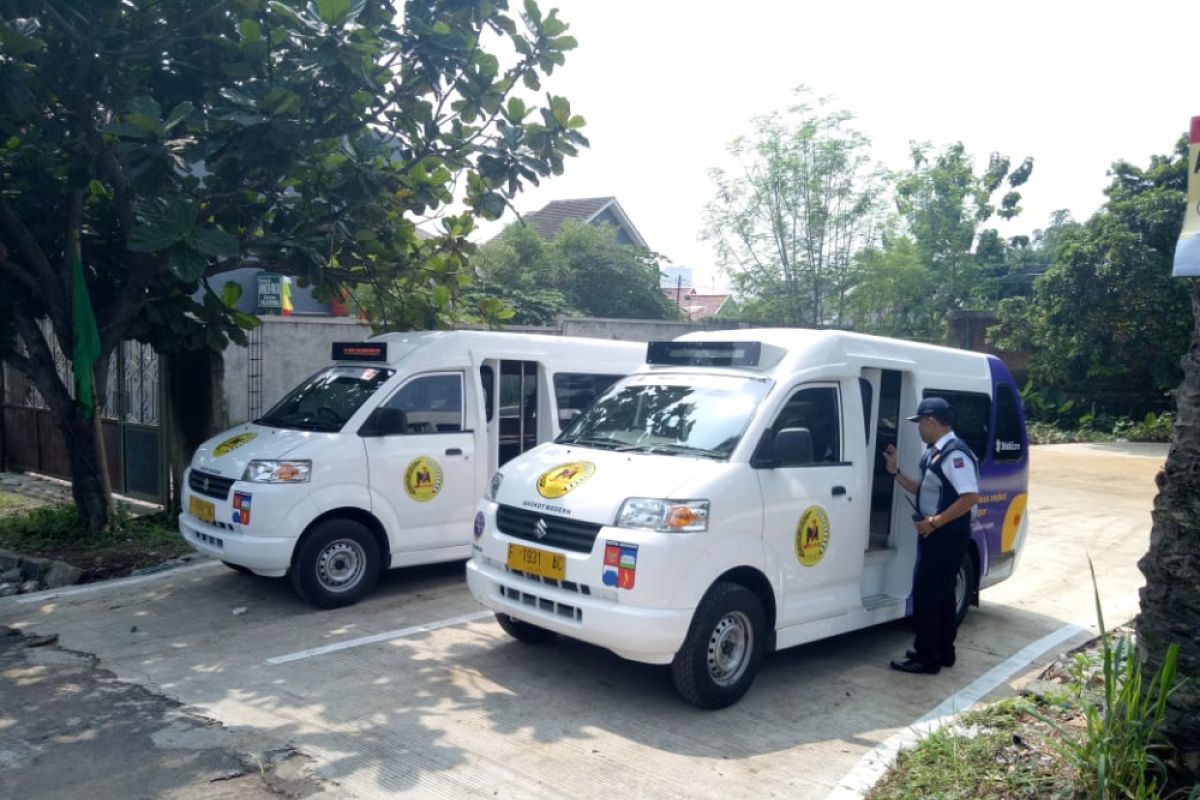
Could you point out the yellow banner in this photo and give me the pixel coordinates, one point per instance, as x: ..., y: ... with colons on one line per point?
x: 1187, y: 252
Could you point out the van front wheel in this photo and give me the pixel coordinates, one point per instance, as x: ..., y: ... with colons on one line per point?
x: 724, y: 645
x: 337, y: 564
x: 523, y: 631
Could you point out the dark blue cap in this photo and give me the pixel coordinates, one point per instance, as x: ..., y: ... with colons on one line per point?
x: 936, y: 407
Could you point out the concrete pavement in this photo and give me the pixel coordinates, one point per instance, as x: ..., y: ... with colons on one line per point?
x: 461, y: 710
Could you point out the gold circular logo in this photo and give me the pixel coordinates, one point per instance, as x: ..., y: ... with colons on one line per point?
x: 1012, y: 522
x: 233, y: 443
x: 812, y: 535
x: 557, y: 481
x: 423, y: 479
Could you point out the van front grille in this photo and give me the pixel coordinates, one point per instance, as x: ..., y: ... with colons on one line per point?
x: 209, y: 485
x: 548, y: 530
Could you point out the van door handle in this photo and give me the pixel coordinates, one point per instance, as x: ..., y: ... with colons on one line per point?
x: 839, y: 490
x: 454, y: 451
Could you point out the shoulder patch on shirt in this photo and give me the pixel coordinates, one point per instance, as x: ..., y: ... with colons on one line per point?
x: 958, y: 462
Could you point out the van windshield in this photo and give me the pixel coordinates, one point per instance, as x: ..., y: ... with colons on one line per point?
x: 691, y: 415
x: 327, y: 400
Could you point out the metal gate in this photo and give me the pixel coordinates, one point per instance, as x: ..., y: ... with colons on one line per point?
x: 130, y: 423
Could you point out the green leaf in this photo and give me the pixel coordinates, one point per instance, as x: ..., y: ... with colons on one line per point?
x: 250, y: 29
x: 187, y: 263
x: 230, y: 293
x: 144, y: 112
x: 151, y: 238
x: 333, y: 12
x: 441, y: 28
x: 516, y: 109
x: 215, y: 242
x: 178, y: 114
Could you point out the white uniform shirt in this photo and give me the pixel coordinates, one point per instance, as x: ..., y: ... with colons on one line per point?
x: 958, y: 469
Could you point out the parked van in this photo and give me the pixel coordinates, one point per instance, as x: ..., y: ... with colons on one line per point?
x: 731, y: 498
x: 379, y: 459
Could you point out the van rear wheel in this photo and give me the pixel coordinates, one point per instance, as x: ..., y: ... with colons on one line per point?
x: 337, y: 564
x: 524, y: 631
x: 724, y: 645
x: 966, y: 584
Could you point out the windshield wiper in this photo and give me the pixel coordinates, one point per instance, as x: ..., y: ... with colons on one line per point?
x: 672, y: 447
x: 603, y: 442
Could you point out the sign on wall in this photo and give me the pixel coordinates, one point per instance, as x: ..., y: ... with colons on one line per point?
x: 1187, y: 251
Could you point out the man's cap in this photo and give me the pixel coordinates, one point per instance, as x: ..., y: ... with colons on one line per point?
x: 937, y: 407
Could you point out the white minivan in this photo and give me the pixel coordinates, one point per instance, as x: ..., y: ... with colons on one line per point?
x: 731, y: 498
x: 379, y: 459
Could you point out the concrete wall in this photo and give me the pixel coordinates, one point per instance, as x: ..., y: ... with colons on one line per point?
x: 292, y: 349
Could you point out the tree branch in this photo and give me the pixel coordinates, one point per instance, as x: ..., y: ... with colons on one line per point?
x: 51, y: 289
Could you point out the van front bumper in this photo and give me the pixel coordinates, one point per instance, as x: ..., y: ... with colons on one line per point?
x: 649, y: 635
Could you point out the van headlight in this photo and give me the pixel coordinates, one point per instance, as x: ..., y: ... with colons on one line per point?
x: 494, y: 486
x: 667, y: 516
x: 278, y: 471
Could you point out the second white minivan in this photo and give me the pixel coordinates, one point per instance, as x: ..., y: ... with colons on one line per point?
x: 379, y: 459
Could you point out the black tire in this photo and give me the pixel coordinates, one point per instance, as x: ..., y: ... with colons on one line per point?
x: 524, y: 631
x: 239, y: 568
x: 336, y: 565
x: 966, y: 585
x: 724, y: 646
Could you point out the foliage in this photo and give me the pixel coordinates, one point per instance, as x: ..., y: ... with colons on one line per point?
x: 1107, y: 322
x: 1117, y: 752
x: 786, y: 225
x: 582, y: 271
x: 891, y: 292
x: 174, y: 140
x: 57, y: 531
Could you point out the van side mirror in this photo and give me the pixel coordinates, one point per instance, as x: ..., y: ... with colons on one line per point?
x: 789, y: 447
x: 385, y: 421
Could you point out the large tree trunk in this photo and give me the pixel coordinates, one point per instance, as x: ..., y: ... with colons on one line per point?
x: 1171, y: 600
x: 88, y: 484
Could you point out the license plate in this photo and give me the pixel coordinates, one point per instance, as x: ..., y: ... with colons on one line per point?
x: 537, y: 562
x: 202, y: 509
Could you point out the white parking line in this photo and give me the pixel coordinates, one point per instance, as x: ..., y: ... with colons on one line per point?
x: 875, y: 763
x: 400, y: 633
x: 100, y: 586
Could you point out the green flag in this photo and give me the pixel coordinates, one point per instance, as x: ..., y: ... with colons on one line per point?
x: 85, y: 334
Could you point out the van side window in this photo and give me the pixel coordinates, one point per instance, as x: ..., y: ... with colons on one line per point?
x: 575, y: 391
x: 972, y: 417
x: 1009, y: 444
x: 864, y: 386
x: 431, y: 403
x: 815, y: 408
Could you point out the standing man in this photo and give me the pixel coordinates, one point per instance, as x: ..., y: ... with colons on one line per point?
x: 947, y: 492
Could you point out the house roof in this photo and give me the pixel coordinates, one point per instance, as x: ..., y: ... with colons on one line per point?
x: 549, y: 219
x: 695, y: 305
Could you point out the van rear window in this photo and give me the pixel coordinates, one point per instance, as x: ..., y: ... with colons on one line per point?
x: 972, y: 417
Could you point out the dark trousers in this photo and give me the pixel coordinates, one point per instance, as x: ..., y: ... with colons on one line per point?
x: 934, y: 613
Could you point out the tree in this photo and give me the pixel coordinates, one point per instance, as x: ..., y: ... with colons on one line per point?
x: 890, y: 295
x: 788, y: 224
x: 943, y: 203
x: 582, y: 271
x: 167, y: 141
x: 1107, y: 323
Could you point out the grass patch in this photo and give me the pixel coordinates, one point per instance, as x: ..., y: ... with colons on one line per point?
x: 55, y: 532
x: 997, y: 753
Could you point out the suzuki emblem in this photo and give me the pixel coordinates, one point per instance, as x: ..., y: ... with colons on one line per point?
x: 540, y: 530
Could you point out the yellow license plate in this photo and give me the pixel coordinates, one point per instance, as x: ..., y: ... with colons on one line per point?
x: 537, y: 562
x: 202, y: 509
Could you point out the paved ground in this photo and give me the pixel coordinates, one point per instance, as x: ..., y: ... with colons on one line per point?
x: 441, y: 703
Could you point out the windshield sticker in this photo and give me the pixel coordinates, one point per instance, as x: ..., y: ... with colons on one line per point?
x: 423, y: 479
x: 620, y: 564
x: 812, y: 536
x: 1012, y: 522
x: 368, y: 374
x: 557, y: 481
x: 241, y: 508
x: 232, y: 444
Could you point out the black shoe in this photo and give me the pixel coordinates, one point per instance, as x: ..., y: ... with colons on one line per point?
x: 944, y: 660
x: 916, y: 667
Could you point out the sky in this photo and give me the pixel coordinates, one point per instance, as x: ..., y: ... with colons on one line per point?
x: 665, y: 85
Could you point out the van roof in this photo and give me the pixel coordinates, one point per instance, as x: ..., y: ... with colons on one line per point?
x: 430, y: 349
x: 805, y: 347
